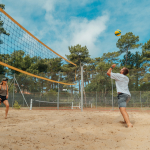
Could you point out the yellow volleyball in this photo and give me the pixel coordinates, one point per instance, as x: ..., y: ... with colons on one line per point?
x: 118, y: 32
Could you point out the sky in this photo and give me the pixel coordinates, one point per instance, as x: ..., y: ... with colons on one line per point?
x: 91, y: 23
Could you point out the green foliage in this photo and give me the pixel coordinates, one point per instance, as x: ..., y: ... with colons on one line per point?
x: 78, y: 55
x: 2, y: 6
x: 111, y: 57
x: 98, y: 78
x: 16, y: 105
x: 135, y: 61
x: 145, y: 86
x: 146, y: 52
x: 127, y: 42
x: 51, y: 93
x: 3, y: 31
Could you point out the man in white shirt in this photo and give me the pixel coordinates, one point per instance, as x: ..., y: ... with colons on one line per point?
x: 124, y: 95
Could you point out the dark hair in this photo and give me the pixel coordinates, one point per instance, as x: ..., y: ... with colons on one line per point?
x: 125, y: 71
x: 4, y: 79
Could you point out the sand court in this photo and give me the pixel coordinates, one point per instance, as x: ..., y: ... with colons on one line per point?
x: 73, y: 130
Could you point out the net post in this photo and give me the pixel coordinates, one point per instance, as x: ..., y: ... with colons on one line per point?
x: 72, y: 106
x: 140, y: 99
x: 31, y: 104
x: 81, y: 88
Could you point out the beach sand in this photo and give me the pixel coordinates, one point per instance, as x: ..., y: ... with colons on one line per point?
x: 73, y: 130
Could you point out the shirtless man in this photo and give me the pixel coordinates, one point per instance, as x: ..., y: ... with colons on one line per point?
x: 124, y: 95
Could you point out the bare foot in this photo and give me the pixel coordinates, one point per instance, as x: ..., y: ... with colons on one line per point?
x: 130, y: 125
x: 5, y: 117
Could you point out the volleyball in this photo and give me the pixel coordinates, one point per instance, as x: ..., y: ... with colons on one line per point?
x: 118, y: 32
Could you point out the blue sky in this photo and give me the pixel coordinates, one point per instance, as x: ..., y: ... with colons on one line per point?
x: 63, y: 23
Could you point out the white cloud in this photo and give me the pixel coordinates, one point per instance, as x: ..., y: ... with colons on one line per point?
x: 49, y: 5
x: 75, y: 30
x: 79, y: 31
x: 87, y: 32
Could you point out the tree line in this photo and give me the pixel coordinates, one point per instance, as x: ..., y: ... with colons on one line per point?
x: 95, y: 78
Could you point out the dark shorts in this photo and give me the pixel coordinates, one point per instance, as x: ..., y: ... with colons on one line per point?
x: 122, y: 99
x: 3, y: 98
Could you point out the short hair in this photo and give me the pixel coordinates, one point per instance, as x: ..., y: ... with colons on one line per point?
x: 125, y: 71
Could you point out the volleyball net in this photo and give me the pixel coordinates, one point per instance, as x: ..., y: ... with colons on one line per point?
x: 22, y: 52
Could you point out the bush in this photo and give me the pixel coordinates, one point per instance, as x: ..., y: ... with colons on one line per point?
x: 16, y: 105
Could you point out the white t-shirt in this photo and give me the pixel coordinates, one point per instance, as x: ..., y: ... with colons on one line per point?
x: 121, y: 82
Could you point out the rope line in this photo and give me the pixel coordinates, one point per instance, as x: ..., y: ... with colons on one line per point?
x: 33, y: 75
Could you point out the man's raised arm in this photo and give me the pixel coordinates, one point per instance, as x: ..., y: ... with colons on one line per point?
x: 110, y: 69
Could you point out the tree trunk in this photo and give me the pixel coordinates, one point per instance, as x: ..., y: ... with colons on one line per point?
x: 42, y: 87
x: 79, y: 86
x: 136, y: 84
x: 71, y: 91
x: 126, y: 56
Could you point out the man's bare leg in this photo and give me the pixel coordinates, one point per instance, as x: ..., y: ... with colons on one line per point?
x: 124, y: 120
x: 7, y: 108
x: 125, y: 116
x: 127, y: 113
